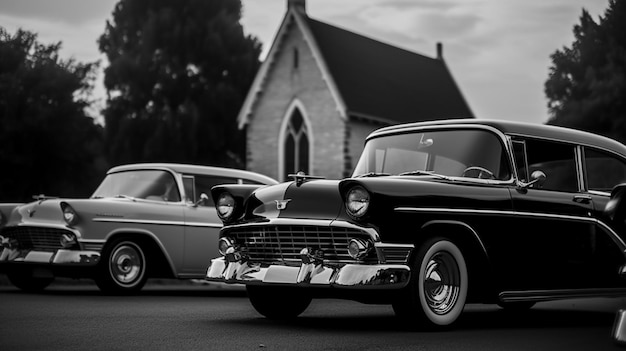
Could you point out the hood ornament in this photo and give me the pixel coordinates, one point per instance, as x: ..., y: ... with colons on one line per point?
x: 281, y: 204
x: 300, y: 177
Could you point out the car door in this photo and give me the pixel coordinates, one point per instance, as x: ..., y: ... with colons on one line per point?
x: 202, y: 225
x: 602, y: 172
x: 553, y: 227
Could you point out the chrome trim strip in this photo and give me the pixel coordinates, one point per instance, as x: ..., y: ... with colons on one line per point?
x: 92, y: 241
x: 157, y: 222
x: 599, y: 193
x: 205, y: 225
x: 387, y: 245
x: 547, y: 295
x: 616, y: 238
x: 490, y: 212
x: 580, y: 170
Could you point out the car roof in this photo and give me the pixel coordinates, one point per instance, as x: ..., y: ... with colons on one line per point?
x: 511, y: 128
x: 196, y: 169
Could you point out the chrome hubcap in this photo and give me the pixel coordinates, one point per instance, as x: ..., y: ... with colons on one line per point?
x: 442, y: 281
x: 126, y: 264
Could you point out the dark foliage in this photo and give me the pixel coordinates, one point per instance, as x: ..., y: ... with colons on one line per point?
x: 587, y: 83
x: 179, y: 71
x: 49, y: 144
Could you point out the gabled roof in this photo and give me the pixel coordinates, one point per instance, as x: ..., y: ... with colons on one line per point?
x: 368, y: 79
x: 383, y: 81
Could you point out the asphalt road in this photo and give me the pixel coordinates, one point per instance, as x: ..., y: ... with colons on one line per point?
x: 211, y: 317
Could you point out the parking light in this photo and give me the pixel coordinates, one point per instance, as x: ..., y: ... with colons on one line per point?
x: 224, y: 244
x: 358, y: 248
x: 67, y: 240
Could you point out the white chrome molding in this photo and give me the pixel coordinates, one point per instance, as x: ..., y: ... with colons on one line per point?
x: 156, y: 222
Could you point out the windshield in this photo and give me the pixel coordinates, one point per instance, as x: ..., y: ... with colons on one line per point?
x: 151, y: 185
x: 453, y: 153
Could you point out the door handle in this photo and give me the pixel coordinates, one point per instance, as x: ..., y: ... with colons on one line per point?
x: 582, y: 199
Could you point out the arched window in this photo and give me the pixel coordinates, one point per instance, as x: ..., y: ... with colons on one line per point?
x: 296, y: 58
x: 295, y: 145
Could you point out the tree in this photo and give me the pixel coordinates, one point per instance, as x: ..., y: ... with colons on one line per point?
x: 179, y: 71
x: 586, y: 87
x: 49, y: 144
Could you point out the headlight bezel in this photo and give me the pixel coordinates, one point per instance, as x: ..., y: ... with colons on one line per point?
x: 225, y: 205
x: 70, y: 216
x: 357, y: 202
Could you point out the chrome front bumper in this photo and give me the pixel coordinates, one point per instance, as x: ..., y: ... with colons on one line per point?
x: 380, y: 276
x: 58, y: 257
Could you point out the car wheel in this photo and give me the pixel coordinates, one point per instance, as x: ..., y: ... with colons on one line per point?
x: 517, y: 305
x: 278, y: 302
x: 28, y: 283
x: 122, y: 268
x: 437, y: 288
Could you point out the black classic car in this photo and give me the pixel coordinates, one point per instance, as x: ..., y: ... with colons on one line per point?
x: 436, y: 215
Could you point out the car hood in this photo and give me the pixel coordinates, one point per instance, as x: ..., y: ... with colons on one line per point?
x: 37, y: 213
x: 318, y: 199
x: 49, y: 212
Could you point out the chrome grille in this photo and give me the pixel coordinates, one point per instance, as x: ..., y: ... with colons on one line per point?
x: 36, y: 238
x: 283, y: 243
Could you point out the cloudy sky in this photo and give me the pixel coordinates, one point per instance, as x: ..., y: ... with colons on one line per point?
x: 498, y: 50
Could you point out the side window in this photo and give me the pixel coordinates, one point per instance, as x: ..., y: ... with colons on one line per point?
x: 205, y: 183
x: 556, y: 160
x: 603, y: 170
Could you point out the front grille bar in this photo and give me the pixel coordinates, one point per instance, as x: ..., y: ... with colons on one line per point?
x: 36, y: 238
x: 283, y: 243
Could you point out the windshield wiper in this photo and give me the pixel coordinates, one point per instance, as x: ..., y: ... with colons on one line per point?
x: 372, y: 174
x: 120, y: 196
x: 422, y: 172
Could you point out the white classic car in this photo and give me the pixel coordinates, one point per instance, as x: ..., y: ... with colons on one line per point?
x: 144, y: 220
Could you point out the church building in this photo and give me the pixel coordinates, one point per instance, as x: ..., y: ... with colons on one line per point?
x: 322, y: 89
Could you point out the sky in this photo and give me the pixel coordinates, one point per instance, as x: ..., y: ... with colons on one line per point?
x: 497, y: 50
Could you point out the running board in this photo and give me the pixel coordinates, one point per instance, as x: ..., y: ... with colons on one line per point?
x: 548, y: 295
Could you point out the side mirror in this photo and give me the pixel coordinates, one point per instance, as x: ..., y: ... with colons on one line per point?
x: 537, y: 177
x: 203, y: 199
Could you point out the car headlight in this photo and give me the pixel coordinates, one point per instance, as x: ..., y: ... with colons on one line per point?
x: 225, y: 206
x: 357, y: 202
x: 69, y: 215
